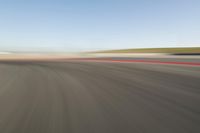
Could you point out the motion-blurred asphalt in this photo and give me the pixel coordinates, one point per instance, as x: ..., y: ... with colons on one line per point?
x: 91, y: 97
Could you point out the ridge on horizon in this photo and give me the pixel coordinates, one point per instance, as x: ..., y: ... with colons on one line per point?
x: 153, y: 50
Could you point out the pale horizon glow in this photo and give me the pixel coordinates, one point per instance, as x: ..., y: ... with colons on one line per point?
x: 86, y: 25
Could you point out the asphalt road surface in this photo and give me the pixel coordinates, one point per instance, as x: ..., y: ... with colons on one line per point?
x: 91, y: 97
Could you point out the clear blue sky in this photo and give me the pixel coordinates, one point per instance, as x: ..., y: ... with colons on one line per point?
x: 73, y: 25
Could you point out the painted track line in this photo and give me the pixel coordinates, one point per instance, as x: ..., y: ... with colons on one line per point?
x: 144, y: 61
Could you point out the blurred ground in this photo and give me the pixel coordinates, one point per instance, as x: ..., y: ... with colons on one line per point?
x: 37, y: 56
x: 91, y: 97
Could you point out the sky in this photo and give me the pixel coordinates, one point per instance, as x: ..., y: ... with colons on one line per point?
x: 86, y: 25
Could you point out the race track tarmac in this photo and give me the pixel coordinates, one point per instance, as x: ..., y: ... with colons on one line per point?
x: 97, y: 97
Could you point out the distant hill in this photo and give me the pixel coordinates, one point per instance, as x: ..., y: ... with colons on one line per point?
x: 191, y: 50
